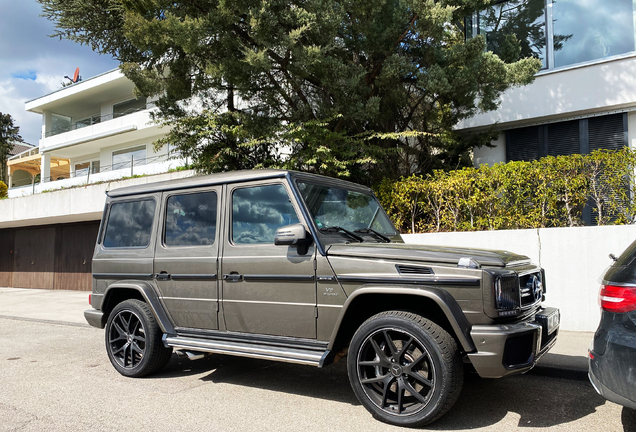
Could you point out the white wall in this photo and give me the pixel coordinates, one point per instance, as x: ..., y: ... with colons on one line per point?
x: 574, y: 260
x: 580, y: 90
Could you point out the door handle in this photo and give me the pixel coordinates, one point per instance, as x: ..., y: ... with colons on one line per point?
x: 162, y: 276
x: 233, y: 277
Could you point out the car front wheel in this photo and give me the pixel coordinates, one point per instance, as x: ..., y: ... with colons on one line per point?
x: 405, y: 369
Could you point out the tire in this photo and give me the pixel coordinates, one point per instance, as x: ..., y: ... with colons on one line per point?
x: 133, y: 340
x: 404, y: 369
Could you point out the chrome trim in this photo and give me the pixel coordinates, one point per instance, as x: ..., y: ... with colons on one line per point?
x: 290, y: 355
x: 193, y: 276
x: 276, y: 277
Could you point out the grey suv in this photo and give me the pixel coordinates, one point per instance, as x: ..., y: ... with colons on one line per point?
x: 301, y: 268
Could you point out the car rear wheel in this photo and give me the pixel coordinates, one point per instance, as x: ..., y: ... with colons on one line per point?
x: 405, y: 369
x: 133, y: 340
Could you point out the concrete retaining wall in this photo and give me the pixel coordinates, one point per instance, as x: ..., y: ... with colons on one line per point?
x: 574, y: 260
x: 68, y: 205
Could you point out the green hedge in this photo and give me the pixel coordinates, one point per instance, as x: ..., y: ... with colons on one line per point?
x: 3, y: 190
x: 550, y: 192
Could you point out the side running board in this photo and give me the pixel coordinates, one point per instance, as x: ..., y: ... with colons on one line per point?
x: 302, y: 355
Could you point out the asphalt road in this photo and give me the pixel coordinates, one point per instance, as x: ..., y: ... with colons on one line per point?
x: 58, y: 378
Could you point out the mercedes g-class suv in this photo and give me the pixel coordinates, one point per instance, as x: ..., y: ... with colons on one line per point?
x: 301, y: 268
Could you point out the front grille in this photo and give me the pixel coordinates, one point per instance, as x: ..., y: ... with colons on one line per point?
x: 408, y: 270
x: 507, y: 292
x: 518, y: 350
x: 531, y: 288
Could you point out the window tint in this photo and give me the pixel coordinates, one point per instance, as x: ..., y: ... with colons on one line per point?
x: 258, y: 211
x: 129, y: 224
x: 191, y: 219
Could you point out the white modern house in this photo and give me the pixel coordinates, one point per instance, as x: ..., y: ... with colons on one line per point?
x: 583, y: 99
x: 92, y: 130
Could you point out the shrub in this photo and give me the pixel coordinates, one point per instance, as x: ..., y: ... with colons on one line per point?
x: 3, y: 190
x: 550, y: 192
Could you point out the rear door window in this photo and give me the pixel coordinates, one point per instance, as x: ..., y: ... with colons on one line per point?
x: 130, y: 224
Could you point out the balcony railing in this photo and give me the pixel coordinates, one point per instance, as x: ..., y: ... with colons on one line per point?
x: 129, y: 166
x: 95, y: 119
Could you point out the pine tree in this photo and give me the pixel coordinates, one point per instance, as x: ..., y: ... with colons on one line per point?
x: 9, y: 134
x: 363, y: 89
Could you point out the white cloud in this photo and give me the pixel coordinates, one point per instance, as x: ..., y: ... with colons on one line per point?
x: 25, y: 46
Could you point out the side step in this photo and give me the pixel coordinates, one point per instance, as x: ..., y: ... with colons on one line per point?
x: 255, y: 350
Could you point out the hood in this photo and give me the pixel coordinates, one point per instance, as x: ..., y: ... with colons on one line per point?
x: 430, y: 254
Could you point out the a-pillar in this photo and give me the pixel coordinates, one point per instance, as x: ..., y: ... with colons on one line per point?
x: 45, y: 168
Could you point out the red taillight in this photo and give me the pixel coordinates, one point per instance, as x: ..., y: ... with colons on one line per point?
x: 617, y: 299
x: 89, y: 299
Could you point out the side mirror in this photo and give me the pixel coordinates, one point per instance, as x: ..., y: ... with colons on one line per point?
x: 293, y: 235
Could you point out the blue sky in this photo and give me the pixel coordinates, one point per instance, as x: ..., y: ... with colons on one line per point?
x: 33, y: 64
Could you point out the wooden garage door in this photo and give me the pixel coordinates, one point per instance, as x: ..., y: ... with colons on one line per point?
x: 73, y: 255
x: 34, y: 258
x: 7, y: 242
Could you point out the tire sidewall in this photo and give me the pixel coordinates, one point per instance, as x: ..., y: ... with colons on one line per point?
x: 441, y: 368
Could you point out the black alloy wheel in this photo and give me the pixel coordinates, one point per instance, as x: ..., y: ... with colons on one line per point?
x: 133, y: 340
x: 127, y: 339
x: 396, y: 371
x: 405, y: 369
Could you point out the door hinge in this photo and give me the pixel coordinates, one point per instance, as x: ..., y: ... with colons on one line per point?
x: 315, y: 264
x: 316, y: 312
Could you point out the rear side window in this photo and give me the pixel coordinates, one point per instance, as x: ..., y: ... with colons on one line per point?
x: 130, y: 224
x: 191, y: 219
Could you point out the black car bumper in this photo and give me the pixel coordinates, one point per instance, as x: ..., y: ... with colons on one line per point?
x: 612, y: 364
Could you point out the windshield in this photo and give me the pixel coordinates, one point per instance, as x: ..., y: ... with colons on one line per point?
x: 342, y: 208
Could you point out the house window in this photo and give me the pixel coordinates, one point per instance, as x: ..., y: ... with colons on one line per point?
x: 81, y: 169
x: 523, y: 18
x: 59, y: 124
x: 560, y: 33
x: 126, y: 158
x: 591, y: 29
x: 570, y: 137
x: 129, y: 107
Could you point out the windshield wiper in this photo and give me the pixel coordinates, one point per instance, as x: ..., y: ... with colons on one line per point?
x: 337, y: 229
x: 382, y: 237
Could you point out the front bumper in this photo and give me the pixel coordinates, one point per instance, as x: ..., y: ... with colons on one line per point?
x: 513, y: 348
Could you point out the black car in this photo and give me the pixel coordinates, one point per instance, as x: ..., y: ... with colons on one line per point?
x: 613, y: 351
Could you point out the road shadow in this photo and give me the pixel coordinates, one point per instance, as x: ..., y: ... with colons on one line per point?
x: 539, y: 401
x: 331, y: 383
x: 628, y: 418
